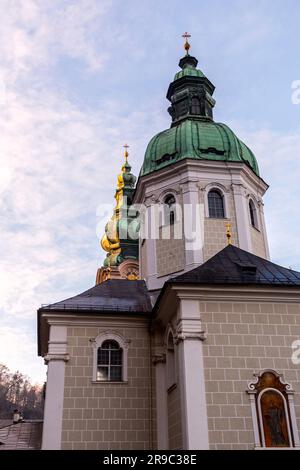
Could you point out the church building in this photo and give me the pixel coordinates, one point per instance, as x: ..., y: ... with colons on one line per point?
x: 189, y: 337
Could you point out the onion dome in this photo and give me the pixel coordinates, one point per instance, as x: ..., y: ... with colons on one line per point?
x: 118, y: 241
x: 193, y: 133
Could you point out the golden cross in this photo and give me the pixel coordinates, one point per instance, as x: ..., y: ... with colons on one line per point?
x: 228, y: 233
x: 126, y: 146
x: 186, y: 44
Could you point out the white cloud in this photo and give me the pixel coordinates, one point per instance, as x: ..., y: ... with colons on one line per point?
x: 39, y: 32
x: 16, y: 350
x: 59, y: 160
x: 277, y: 155
x: 57, y: 163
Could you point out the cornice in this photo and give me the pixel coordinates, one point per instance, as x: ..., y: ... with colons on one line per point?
x: 235, y: 293
x: 65, y: 319
x: 238, y: 169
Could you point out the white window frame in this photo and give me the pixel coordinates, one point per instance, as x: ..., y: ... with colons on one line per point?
x: 256, y: 214
x: 97, y: 343
x: 174, y: 206
x: 222, y: 190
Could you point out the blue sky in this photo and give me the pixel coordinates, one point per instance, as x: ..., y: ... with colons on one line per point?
x: 80, y: 78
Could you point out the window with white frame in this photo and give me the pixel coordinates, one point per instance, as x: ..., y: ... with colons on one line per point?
x: 215, y: 204
x: 273, y: 412
x: 253, y: 214
x: 169, y: 209
x: 110, y: 362
x: 110, y: 358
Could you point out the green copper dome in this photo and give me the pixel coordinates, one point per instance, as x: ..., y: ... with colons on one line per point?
x: 189, y: 72
x: 198, y: 140
x: 193, y: 133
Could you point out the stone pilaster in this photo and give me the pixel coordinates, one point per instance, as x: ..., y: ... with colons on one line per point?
x: 159, y: 360
x: 56, y: 359
x: 242, y: 216
x: 189, y: 339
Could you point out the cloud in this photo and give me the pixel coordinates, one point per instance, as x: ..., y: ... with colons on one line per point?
x: 59, y: 163
x: 16, y: 349
x: 60, y: 158
x: 276, y: 153
x: 54, y: 167
x: 38, y: 33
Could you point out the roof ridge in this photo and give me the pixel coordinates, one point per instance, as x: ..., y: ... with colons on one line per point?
x: 225, y: 266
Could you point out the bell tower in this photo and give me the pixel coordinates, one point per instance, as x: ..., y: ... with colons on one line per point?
x: 197, y: 177
x: 120, y: 242
x: 191, y: 92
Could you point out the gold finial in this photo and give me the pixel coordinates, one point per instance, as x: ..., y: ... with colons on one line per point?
x: 228, y: 233
x: 186, y: 44
x: 126, y: 154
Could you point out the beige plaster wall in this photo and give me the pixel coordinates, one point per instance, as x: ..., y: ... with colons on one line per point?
x: 257, y: 242
x: 108, y: 415
x: 243, y: 338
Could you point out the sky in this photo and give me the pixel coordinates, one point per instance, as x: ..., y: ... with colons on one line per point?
x: 78, y: 79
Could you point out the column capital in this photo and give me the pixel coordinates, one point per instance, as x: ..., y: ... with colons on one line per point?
x: 150, y: 199
x: 188, y: 335
x: 238, y: 189
x: 189, y: 186
x: 189, y: 329
x: 158, y: 359
x: 56, y: 357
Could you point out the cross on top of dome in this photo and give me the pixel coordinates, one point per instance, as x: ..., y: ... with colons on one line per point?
x: 186, y: 44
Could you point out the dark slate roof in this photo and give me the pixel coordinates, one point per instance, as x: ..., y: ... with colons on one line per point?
x: 235, y: 266
x: 22, y: 436
x: 5, y: 422
x: 114, y: 295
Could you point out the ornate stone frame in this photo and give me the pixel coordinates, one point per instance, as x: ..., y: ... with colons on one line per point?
x: 97, y: 343
x: 289, y: 406
x: 162, y: 197
x: 224, y: 191
x: 251, y: 198
x: 171, y: 369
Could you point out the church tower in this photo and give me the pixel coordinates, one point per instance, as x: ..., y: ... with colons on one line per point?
x: 120, y: 240
x: 197, y: 177
x: 190, y: 334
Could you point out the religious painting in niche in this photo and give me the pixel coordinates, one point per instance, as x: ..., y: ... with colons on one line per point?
x: 273, y: 411
x: 274, y: 419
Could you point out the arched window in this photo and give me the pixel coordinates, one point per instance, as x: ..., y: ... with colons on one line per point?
x: 169, y: 204
x: 109, y: 362
x: 171, y: 367
x: 196, y: 108
x: 273, y: 412
x: 253, y: 214
x: 215, y: 204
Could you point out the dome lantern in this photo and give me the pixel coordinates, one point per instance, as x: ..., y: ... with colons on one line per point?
x: 193, y: 133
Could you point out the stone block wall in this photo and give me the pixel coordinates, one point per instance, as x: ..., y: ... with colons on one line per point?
x: 243, y: 339
x: 109, y: 415
x: 215, y: 231
x: 170, y: 254
x: 257, y: 242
